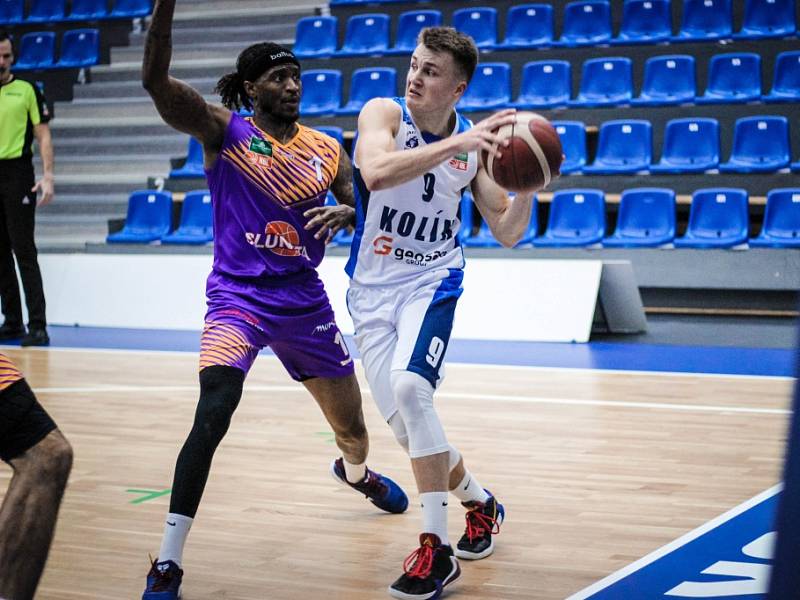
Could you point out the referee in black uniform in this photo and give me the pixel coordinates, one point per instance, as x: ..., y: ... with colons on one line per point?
x: 23, y: 116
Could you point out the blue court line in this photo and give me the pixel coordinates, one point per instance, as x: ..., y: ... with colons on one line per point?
x: 728, y: 558
x: 773, y: 362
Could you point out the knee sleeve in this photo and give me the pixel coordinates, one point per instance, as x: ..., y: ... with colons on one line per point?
x: 399, y: 430
x: 455, y: 457
x: 414, y: 397
x: 220, y: 391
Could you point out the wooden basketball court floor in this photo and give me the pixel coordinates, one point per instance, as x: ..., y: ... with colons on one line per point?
x: 596, y: 469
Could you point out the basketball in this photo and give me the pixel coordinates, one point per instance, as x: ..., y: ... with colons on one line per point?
x: 532, y: 159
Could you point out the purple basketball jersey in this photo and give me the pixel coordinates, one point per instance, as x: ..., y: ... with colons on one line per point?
x: 259, y: 191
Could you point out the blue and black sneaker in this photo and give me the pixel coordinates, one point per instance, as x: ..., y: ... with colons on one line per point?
x: 426, y: 571
x: 381, y: 491
x: 483, y: 521
x: 163, y: 581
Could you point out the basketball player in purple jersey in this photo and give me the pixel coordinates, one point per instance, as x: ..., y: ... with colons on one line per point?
x: 269, y: 177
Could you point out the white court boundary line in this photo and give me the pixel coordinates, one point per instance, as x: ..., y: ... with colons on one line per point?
x: 449, y: 364
x: 601, y: 585
x: 107, y: 389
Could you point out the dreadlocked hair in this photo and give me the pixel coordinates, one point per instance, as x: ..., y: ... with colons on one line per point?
x: 231, y: 86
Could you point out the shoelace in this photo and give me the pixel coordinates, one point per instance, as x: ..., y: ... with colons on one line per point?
x: 478, y: 524
x: 163, y: 579
x: 372, y: 486
x: 420, y: 562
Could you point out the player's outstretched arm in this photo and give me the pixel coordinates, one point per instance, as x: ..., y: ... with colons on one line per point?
x: 180, y: 105
x: 382, y: 166
x: 507, y: 219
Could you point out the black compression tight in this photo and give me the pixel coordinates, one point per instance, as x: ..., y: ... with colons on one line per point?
x: 220, y: 391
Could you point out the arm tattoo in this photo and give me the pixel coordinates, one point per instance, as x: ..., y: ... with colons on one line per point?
x: 342, y: 186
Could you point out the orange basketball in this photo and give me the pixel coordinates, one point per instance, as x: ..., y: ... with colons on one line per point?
x: 532, y: 159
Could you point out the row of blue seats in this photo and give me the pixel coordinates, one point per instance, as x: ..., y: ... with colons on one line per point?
x: 605, y: 81
x: 586, y: 22
x: 54, y: 11
x: 149, y: 219
x: 79, y: 48
x: 760, y: 145
x: 718, y: 218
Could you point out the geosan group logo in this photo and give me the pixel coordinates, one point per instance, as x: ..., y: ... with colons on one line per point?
x: 279, y: 237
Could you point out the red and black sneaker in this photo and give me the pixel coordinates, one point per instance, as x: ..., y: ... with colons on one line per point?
x: 483, y: 521
x: 427, y: 570
x: 163, y: 581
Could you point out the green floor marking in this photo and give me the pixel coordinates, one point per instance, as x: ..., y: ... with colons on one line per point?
x: 326, y: 435
x: 148, y: 495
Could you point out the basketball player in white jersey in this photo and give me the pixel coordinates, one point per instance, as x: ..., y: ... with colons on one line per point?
x: 414, y: 157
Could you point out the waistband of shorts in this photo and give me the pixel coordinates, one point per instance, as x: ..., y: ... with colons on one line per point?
x: 270, y: 281
x: 23, y: 163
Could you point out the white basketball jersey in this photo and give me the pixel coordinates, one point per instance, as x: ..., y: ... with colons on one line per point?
x: 411, y: 229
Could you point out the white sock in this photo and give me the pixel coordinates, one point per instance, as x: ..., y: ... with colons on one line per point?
x: 354, y: 473
x: 469, y: 490
x: 434, y: 514
x: 176, y: 529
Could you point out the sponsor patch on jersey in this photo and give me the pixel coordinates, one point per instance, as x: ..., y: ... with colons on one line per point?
x: 280, y: 238
x: 259, y: 153
x: 460, y: 161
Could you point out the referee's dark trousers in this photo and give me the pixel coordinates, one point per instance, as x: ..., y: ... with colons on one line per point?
x: 17, y: 221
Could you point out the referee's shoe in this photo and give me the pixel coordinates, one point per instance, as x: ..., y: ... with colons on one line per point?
x: 36, y: 337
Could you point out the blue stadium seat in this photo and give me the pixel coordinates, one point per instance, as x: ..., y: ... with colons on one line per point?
x: 480, y: 23
x: 465, y: 216
x: 315, y: 37
x: 645, y: 22
x: 46, y: 11
x: 577, y: 218
x: 528, y: 26
x: 705, y: 19
x: 767, y: 18
x: 87, y: 10
x: 786, y: 78
x: 781, y: 227
x: 690, y: 146
x: 193, y: 167
x: 366, y: 34
x: 131, y: 9
x: 733, y: 78
x: 622, y: 147
x: 196, y: 220
x: 587, y: 22
x: 646, y: 219
x: 760, y: 145
x: 545, y: 84
x: 605, y: 82
x: 79, y: 48
x: 490, y: 88
x: 369, y: 83
x: 718, y: 218
x: 335, y: 132
x: 573, y: 144
x: 409, y: 24
x: 149, y: 217
x: 36, y: 50
x: 11, y: 12
x: 795, y: 167
x: 322, y: 92
x: 485, y: 239
x: 668, y: 79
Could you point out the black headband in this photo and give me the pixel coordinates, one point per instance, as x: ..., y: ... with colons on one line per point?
x: 266, y: 61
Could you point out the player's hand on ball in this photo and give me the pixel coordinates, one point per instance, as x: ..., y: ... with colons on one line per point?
x: 484, y: 136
